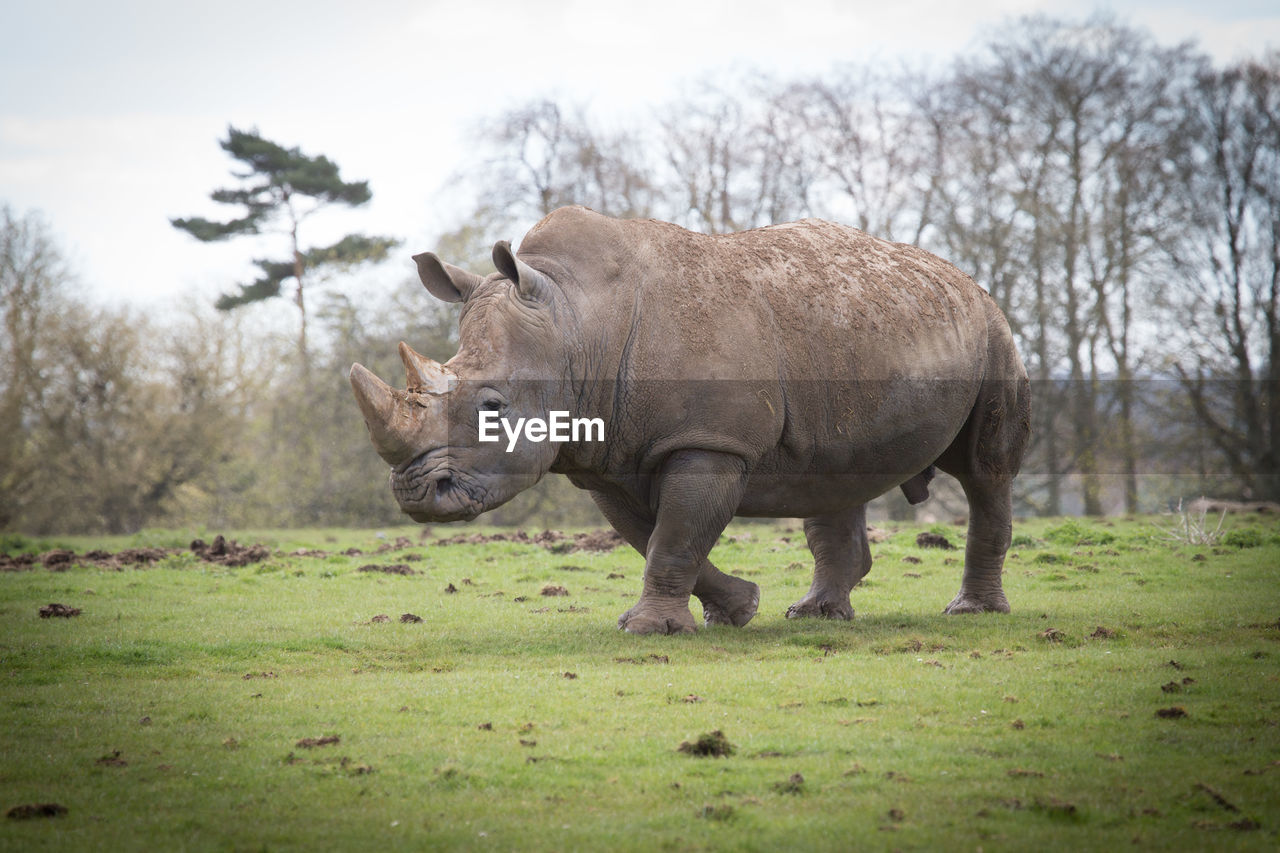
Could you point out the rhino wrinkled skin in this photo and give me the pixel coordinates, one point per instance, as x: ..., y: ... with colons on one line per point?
x: 798, y: 370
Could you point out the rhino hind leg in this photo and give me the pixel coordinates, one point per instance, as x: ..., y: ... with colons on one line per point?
x: 841, y: 558
x: 985, y: 457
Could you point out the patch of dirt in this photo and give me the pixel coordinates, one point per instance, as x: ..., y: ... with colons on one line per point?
x: 1020, y: 772
x: 793, y: 785
x: 875, y: 535
x: 410, y: 618
x: 711, y: 744
x: 1052, y: 635
x: 28, y: 811
x: 313, y: 742
x: 388, y: 569
x: 58, y: 610
x: 552, y: 589
x: 1101, y: 633
x: 1217, y: 797
x: 381, y: 617
x: 552, y: 540
x: 112, y: 760
x: 57, y: 560
x: 650, y: 658
x: 232, y: 553
x: 933, y: 540
x: 1173, y: 713
x: 220, y: 552
x: 910, y: 559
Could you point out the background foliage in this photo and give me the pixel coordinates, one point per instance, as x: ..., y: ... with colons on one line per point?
x: 1119, y: 198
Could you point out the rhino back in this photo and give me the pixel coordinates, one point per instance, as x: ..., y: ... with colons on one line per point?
x: 802, y: 346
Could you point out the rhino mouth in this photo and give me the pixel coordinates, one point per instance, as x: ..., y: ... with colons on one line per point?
x: 431, y: 488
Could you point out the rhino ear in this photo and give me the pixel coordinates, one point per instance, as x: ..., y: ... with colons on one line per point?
x: 530, y: 284
x: 445, y: 281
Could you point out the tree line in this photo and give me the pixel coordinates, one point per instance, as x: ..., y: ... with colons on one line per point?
x: 1119, y: 198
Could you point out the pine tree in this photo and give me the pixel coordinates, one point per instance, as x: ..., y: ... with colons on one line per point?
x: 280, y: 189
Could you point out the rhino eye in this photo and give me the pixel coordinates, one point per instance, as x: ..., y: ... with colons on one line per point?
x: 491, y: 401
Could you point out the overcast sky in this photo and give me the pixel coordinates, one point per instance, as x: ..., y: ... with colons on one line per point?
x: 110, y: 112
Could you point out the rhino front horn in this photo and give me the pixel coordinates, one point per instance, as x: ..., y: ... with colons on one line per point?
x: 391, y: 419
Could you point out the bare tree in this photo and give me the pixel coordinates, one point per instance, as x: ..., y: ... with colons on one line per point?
x: 1232, y: 297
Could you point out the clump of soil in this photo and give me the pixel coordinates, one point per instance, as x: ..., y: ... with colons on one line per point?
x: 1101, y: 633
x: 313, y: 742
x: 933, y: 540
x: 27, y: 811
x: 112, y: 760
x: 410, y: 618
x: 793, y: 785
x: 553, y: 589
x: 1052, y: 635
x: 57, y: 560
x: 552, y: 540
x: 389, y: 569
x: 231, y: 553
x: 61, y: 610
x: 711, y: 744
x: 1173, y: 713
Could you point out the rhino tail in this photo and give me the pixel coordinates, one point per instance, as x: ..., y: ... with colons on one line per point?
x: 917, y: 488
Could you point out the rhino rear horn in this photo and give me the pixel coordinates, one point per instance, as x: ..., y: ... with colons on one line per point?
x: 390, y: 418
x: 445, y: 281
x: 422, y: 374
x: 530, y: 283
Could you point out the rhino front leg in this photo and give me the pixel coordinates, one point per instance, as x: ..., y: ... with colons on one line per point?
x: 726, y: 600
x: 841, y: 557
x: 697, y: 494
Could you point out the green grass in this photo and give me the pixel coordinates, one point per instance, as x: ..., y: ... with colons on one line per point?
x: 535, y: 724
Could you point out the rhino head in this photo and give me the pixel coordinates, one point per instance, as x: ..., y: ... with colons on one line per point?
x: 511, y: 361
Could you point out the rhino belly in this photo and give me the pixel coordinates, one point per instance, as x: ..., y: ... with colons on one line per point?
x: 829, y: 458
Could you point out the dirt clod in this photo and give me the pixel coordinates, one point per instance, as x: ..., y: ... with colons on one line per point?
x: 1052, y: 635
x: 388, y: 569
x: 28, y: 811
x: 1176, y: 712
x: 933, y: 540
x: 793, y: 785
x: 553, y: 589
x: 1101, y: 633
x: 410, y: 618
x: 59, y: 610
x: 313, y: 742
x: 112, y: 760
x: 710, y: 744
x: 1171, y: 687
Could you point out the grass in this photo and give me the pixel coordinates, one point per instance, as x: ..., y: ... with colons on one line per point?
x: 168, y: 714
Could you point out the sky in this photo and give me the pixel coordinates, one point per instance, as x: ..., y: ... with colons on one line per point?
x: 111, y: 112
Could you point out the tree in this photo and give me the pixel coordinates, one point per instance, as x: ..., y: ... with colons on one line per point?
x: 1232, y: 307
x: 32, y: 277
x: 282, y: 188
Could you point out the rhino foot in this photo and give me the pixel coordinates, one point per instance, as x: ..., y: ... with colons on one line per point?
x: 734, y: 606
x: 814, y: 607
x: 968, y: 602
x: 648, y: 618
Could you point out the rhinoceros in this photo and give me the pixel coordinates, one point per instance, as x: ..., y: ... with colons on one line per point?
x: 796, y: 370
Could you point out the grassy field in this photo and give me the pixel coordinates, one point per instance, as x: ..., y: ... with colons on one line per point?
x: 1131, y: 698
